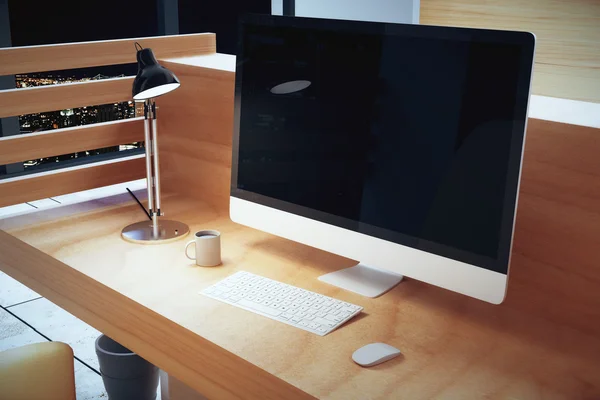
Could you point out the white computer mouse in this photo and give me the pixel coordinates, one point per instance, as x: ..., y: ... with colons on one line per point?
x: 374, y: 353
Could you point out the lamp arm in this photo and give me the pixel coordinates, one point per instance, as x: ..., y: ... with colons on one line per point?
x: 156, y: 160
x: 148, y: 148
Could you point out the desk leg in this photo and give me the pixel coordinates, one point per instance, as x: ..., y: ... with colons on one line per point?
x: 173, y: 389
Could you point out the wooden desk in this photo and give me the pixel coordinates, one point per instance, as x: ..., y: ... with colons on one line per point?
x: 147, y: 298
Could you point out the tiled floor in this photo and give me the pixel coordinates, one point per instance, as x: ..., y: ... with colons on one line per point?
x: 49, y: 322
x: 59, y: 325
x: 26, y: 317
x: 12, y: 292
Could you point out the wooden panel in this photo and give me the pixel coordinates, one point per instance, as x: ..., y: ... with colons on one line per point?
x: 568, y: 49
x: 70, y: 140
x: 59, y: 97
x: 20, y: 60
x: 68, y: 180
x: 197, y: 134
x: 556, y: 251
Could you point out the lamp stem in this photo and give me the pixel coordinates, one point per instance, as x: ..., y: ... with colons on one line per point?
x: 148, y: 147
x: 156, y: 160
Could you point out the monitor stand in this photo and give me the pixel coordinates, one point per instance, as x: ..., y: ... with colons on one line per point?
x: 362, y: 279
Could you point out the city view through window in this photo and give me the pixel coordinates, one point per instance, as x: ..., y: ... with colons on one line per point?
x: 86, y: 21
x: 71, y: 117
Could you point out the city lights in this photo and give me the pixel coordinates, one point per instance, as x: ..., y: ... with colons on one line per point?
x: 71, y: 117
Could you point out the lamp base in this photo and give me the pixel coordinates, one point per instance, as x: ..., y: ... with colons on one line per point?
x: 142, y: 232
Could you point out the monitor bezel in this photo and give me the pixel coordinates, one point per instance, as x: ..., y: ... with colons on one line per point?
x: 524, y: 39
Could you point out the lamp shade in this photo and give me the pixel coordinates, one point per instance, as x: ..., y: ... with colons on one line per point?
x: 152, y: 79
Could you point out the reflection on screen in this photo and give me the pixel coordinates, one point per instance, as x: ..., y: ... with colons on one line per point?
x: 406, y: 139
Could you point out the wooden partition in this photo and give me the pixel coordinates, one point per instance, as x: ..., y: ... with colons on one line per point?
x: 196, y: 127
x: 568, y: 37
x: 21, y: 101
x: 555, y: 270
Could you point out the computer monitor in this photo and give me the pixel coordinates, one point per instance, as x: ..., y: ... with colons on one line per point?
x: 398, y: 146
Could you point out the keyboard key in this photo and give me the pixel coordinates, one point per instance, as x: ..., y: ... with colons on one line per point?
x: 325, y: 322
x: 259, y: 307
x: 333, y: 318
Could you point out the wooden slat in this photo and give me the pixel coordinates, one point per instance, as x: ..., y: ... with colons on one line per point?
x: 20, y: 60
x: 68, y: 180
x: 70, y: 140
x: 59, y: 97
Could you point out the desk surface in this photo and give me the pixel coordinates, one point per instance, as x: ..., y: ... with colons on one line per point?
x: 453, y: 347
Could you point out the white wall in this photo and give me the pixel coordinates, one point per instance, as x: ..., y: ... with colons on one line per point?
x: 401, y: 11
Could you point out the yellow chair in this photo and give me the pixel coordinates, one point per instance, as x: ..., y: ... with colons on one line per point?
x: 41, y: 371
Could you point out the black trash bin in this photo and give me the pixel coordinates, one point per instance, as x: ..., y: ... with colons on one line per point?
x: 126, y: 375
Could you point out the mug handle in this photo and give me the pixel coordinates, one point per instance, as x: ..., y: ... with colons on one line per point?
x: 186, y: 250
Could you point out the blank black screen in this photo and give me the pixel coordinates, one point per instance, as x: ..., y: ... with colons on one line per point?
x: 401, y: 137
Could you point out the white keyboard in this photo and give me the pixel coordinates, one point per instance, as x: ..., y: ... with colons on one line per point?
x: 301, y: 308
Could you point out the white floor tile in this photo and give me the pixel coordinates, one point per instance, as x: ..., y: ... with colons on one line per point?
x: 59, y: 325
x: 88, y: 384
x: 13, y: 291
x: 14, y: 333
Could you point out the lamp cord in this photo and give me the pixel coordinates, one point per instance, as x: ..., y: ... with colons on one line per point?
x: 141, y: 205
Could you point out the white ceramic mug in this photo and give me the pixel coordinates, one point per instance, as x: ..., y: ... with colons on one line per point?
x: 208, y: 248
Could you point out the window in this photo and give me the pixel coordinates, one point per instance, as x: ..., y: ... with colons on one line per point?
x: 37, y: 23
x: 31, y: 22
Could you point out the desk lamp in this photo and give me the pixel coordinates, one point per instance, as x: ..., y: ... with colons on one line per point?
x: 152, y: 80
